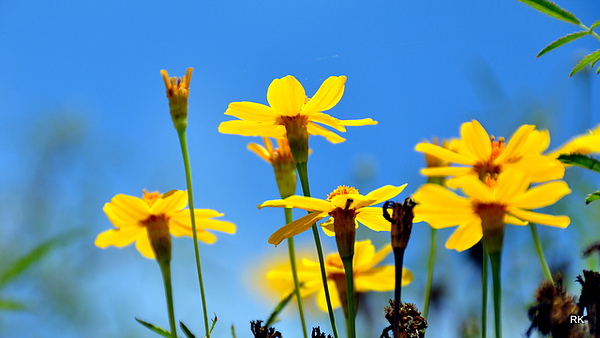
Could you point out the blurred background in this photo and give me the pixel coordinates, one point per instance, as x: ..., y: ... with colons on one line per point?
x: 84, y: 117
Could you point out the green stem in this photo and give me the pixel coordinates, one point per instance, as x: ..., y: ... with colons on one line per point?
x: 484, y: 290
x: 188, y: 178
x: 351, y: 319
x: 540, y: 252
x: 302, y: 169
x: 430, y: 265
x: 292, y: 254
x: 165, y: 269
x: 495, y: 260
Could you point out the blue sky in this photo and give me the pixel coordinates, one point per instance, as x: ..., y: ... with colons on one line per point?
x: 87, y: 74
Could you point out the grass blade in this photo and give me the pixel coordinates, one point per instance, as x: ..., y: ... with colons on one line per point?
x: 186, y: 331
x: 278, y: 309
x: 155, y: 328
x: 592, y: 197
x: 589, y: 59
x: 552, y: 9
x: 562, y: 41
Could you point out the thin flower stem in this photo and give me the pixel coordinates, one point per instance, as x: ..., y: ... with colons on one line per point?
x: 292, y: 254
x: 540, y: 252
x: 351, y: 320
x: 497, y: 285
x: 165, y: 269
x: 302, y: 169
x: 430, y: 265
x: 188, y: 178
x: 484, y: 290
x: 399, y: 263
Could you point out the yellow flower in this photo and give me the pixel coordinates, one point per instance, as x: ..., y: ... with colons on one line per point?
x: 131, y: 216
x: 178, y: 89
x: 282, y: 161
x: 582, y: 144
x: 481, y: 154
x: 345, y: 198
x: 367, y: 276
x: 288, y: 102
x: 442, y: 208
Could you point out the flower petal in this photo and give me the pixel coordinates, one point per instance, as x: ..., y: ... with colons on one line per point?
x: 517, y: 140
x: 446, y: 171
x: 171, y: 201
x: 142, y: 244
x: 441, y: 207
x: 545, y: 219
x: 372, y: 218
x: 476, y: 140
x: 125, y: 210
x: 359, y: 122
x: 539, y: 167
x: 445, y: 154
x: 385, y: 193
x: 474, y: 188
x: 260, y: 151
x: 252, y: 128
x: 541, y: 196
x: 465, y: 236
x: 510, y: 183
x: 286, y: 96
x: 327, y: 120
x: 302, y: 202
x: 118, y: 237
x: 298, y: 226
x: 327, y: 96
x: 377, y: 279
x: 333, y: 295
x: 315, y: 129
x: 251, y: 111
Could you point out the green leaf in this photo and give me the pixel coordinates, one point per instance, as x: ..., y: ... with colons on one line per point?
x: 592, y: 197
x: 279, y: 308
x: 11, y: 305
x: 22, y: 264
x: 214, y: 322
x: 155, y: 328
x: 594, y: 25
x: 187, y: 331
x: 553, y: 10
x: 562, y: 41
x: 580, y: 160
x: 590, y: 58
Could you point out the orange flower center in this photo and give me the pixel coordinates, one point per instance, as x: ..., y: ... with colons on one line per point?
x: 489, y: 167
x: 150, y: 197
x: 342, y: 190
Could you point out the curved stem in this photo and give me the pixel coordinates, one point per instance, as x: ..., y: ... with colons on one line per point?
x: 484, y: 290
x: 188, y: 178
x: 302, y: 169
x: 540, y: 252
x: 292, y: 254
x: 430, y: 265
x: 497, y: 284
x: 165, y: 269
x: 351, y: 319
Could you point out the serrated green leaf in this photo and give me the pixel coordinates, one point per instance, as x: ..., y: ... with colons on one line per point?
x: 592, y: 197
x: 186, y: 331
x: 595, y: 24
x: 590, y: 58
x: 581, y: 161
x: 25, y: 262
x: 155, y: 328
x: 11, y: 305
x: 562, y: 41
x: 279, y: 308
x: 552, y: 9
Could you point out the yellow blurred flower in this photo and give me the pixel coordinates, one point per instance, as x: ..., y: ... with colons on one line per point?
x: 367, y: 276
x: 345, y: 198
x: 508, y: 195
x: 479, y: 154
x: 132, y: 215
x: 582, y: 144
x: 289, y: 106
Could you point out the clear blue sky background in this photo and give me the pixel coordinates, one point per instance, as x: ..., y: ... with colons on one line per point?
x: 84, y: 117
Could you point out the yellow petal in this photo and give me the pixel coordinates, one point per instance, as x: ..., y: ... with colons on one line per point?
x: 536, y: 143
x: 372, y: 218
x: 446, y: 171
x: 118, y: 237
x: 251, y: 128
x: 327, y: 227
x: 203, y: 220
x: 444, y: 154
x: 328, y: 95
x: 125, y: 210
x: 298, y: 226
x: 359, y: 122
x: 172, y: 201
x: 475, y: 189
x: 540, y: 168
x: 251, y: 111
x: 545, y: 219
x: 541, y: 196
x: 385, y: 193
x: 511, y: 183
x: 327, y: 120
x: 476, y: 140
x: 286, y: 96
x: 377, y: 279
x: 302, y: 202
x: 206, y: 237
x: 142, y: 244
x: 260, y: 151
x: 513, y: 147
x: 333, y: 295
x: 465, y: 236
x: 513, y: 220
x: 364, y: 251
x: 315, y: 129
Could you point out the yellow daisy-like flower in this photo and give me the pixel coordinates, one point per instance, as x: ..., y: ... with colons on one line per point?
x: 367, y: 276
x: 582, y: 144
x: 288, y: 106
x: 509, y: 194
x: 481, y: 154
x: 345, y: 198
x: 132, y: 215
